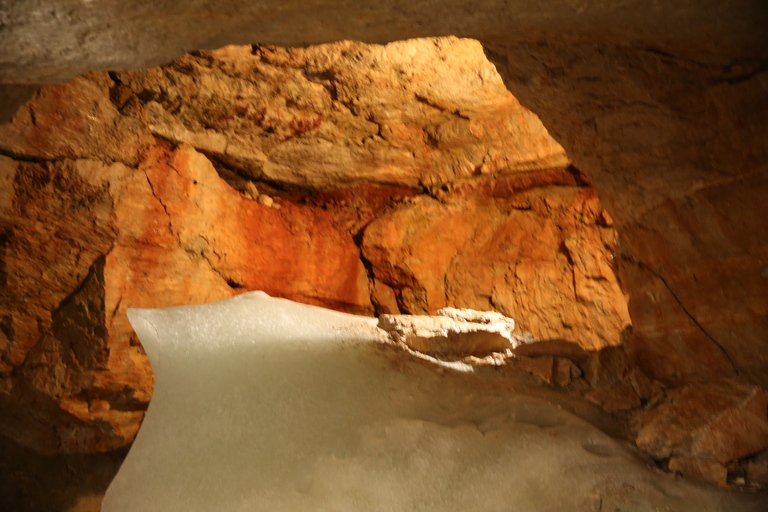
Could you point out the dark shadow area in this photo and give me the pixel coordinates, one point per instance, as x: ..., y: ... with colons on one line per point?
x: 30, y: 482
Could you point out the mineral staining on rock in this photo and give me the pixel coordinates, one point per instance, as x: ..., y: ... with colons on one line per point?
x: 345, y: 175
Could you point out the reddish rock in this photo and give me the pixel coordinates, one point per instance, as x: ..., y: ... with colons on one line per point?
x: 75, y: 120
x: 724, y: 421
x: 541, y: 367
x: 351, y: 113
x: 678, y: 152
x: 645, y: 387
x: 566, y: 372
x: 477, y: 251
x: 619, y: 397
x: 757, y: 470
x: 341, y: 151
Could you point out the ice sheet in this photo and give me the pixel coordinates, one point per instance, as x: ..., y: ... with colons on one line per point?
x: 263, y: 404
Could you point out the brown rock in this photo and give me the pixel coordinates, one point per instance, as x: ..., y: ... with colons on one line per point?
x: 678, y: 154
x: 566, y: 371
x: 121, y: 219
x: 563, y: 348
x: 704, y: 469
x: 724, y: 421
x: 75, y: 119
x: 605, y: 367
x: 350, y: 113
x: 541, y: 367
x: 478, y: 251
x: 618, y: 397
x: 644, y: 386
x: 757, y: 470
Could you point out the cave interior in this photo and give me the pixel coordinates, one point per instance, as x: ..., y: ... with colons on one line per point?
x: 596, y: 172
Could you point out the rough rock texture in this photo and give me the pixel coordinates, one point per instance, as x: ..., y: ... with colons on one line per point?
x: 721, y: 421
x: 454, y: 332
x: 55, y: 40
x: 678, y: 153
x: 351, y: 176
x: 661, y: 104
x: 349, y: 113
x: 490, y: 245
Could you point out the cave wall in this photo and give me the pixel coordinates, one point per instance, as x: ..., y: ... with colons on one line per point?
x: 661, y: 105
x: 678, y: 150
x: 346, y: 175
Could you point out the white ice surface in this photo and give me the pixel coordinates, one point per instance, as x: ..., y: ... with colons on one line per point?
x: 263, y: 404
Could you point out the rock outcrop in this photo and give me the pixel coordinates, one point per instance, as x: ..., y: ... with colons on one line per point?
x: 679, y: 157
x: 454, y: 332
x: 661, y: 105
x: 701, y: 429
x: 350, y: 176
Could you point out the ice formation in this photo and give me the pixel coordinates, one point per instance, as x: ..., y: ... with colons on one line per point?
x: 263, y: 404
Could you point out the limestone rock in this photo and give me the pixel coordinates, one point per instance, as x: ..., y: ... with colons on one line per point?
x: 454, y: 332
x: 723, y: 421
x: 474, y: 249
x: 705, y: 469
x: 263, y: 168
x: 349, y: 112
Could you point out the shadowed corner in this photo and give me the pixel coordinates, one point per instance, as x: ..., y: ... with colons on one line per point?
x: 146, y: 332
x: 30, y: 482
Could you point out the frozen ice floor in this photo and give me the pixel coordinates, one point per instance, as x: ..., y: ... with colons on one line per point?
x: 263, y: 404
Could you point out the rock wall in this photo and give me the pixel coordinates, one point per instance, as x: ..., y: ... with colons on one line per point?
x: 661, y: 105
x: 679, y: 154
x: 352, y: 176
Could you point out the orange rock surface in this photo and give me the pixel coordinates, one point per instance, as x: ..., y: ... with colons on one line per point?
x: 541, y: 255
x: 348, y: 176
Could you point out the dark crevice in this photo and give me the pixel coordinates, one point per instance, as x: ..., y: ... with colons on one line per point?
x: 6, y: 326
x: 581, y: 179
x: 739, y: 70
x: 20, y: 157
x: 28, y: 158
x: 154, y: 194
x: 5, y: 241
x: 357, y: 238
x: 232, y: 283
x: 761, y: 67
x: 238, y: 179
x: 79, y: 321
x: 326, y: 80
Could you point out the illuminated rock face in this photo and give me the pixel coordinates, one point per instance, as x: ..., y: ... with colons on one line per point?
x: 660, y: 105
x: 679, y: 159
x: 265, y: 404
x: 346, y: 175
